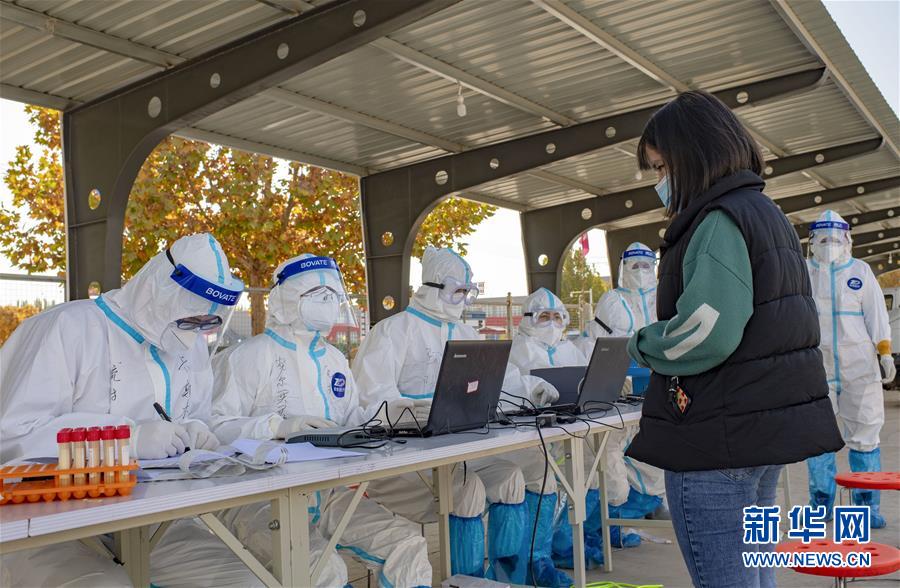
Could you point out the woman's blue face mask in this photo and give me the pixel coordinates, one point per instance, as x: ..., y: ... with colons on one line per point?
x: 662, y: 188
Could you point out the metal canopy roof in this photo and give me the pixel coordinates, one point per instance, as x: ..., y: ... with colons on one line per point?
x: 524, y: 67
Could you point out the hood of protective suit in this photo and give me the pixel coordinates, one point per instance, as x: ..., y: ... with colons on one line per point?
x: 540, y: 300
x: 285, y: 310
x: 838, y: 247
x: 632, y: 278
x: 152, y: 301
x: 437, y: 265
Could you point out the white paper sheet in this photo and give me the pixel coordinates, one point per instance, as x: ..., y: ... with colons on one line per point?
x: 296, y: 452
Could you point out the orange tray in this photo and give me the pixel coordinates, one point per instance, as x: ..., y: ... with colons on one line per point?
x: 39, y: 481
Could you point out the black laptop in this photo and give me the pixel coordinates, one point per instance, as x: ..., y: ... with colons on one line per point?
x: 594, y: 387
x: 467, y: 389
x: 465, y: 398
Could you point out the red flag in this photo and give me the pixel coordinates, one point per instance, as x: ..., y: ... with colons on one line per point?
x: 585, y: 244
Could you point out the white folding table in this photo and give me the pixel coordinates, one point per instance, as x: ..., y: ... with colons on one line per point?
x: 289, y: 487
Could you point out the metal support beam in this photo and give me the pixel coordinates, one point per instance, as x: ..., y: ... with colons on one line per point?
x: 106, y: 141
x: 876, y: 236
x: 870, y: 251
x: 87, y: 36
x: 884, y: 264
x: 395, y: 202
x: 571, y: 219
x: 651, y: 234
x: 456, y: 75
x: 789, y: 15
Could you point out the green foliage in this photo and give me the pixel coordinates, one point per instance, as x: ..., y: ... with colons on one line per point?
x: 261, y: 210
x: 577, y: 276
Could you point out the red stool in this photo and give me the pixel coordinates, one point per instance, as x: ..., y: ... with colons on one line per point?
x: 869, y: 480
x: 885, y: 559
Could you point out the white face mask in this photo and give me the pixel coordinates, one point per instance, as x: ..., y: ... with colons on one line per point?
x: 319, y: 315
x: 827, y: 253
x: 639, y: 279
x: 549, y: 336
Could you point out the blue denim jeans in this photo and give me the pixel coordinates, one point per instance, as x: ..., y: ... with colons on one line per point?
x: 708, y: 511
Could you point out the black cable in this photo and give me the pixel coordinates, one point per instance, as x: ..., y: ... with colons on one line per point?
x: 533, y: 405
x: 538, y: 510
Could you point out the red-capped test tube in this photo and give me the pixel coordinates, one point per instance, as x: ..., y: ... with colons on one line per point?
x: 123, y: 442
x: 108, y: 437
x: 64, y: 443
x: 93, y: 453
x: 78, y: 457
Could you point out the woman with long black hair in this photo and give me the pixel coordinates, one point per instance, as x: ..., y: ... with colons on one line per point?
x: 738, y: 387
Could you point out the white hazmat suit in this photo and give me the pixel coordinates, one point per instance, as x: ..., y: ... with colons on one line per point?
x: 290, y: 379
x: 621, y: 313
x: 105, y: 362
x: 400, y: 359
x: 855, y: 338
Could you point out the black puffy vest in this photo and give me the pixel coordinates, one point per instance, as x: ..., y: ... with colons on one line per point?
x: 768, y: 402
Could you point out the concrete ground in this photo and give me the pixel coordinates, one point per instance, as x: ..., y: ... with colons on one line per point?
x: 661, y: 563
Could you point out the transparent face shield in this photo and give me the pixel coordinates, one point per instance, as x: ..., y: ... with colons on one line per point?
x: 452, y: 291
x: 639, y: 269
x: 548, y: 317
x: 828, y: 240
x: 316, y: 286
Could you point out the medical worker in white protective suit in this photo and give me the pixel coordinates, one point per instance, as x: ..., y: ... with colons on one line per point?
x: 855, y: 340
x: 398, y: 363
x: 289, y: 379
x: 634, y: 489
x: 105, y: 362
x: 539, y: 344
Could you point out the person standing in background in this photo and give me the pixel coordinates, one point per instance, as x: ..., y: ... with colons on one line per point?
x: 738, y: 387
x: 856, y: 337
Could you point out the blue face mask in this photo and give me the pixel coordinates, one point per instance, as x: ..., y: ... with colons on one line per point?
x: 662, y: 188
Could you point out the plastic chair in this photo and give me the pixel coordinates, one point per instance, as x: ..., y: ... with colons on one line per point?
x: 885, y: 559
x: 866, y: 481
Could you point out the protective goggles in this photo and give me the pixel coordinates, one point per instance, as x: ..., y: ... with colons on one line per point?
x: 452, y: 291
x: 548, y: 317
x: 205, y: 289
x: 200, y: 324
x: 324, y: 294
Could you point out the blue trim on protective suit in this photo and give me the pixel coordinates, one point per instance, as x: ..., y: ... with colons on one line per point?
x: 280, y: 340
x: 361, y: 553
x: 315, y: 354
x: 154, y: 353
x: 465, y: 264
x: 836, y: 312
x: 643, y: 294
x: 467, y: 546
x: 551, y: 351
x: 139, y: 339
x: 117, y: 320
x: 627, y: 309
x: 421, y: 315
x: 220, y: 269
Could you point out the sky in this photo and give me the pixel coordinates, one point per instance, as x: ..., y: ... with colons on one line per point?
x: 872, y: 27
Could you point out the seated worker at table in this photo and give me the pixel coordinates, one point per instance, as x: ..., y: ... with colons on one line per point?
x: 289, y: 379
x: 539, y: 344
x: 634, y: 488
x: 105, y: 362
x: 398, y: 363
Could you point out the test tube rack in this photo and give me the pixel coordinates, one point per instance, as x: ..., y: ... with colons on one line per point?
x: 33, y: 482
